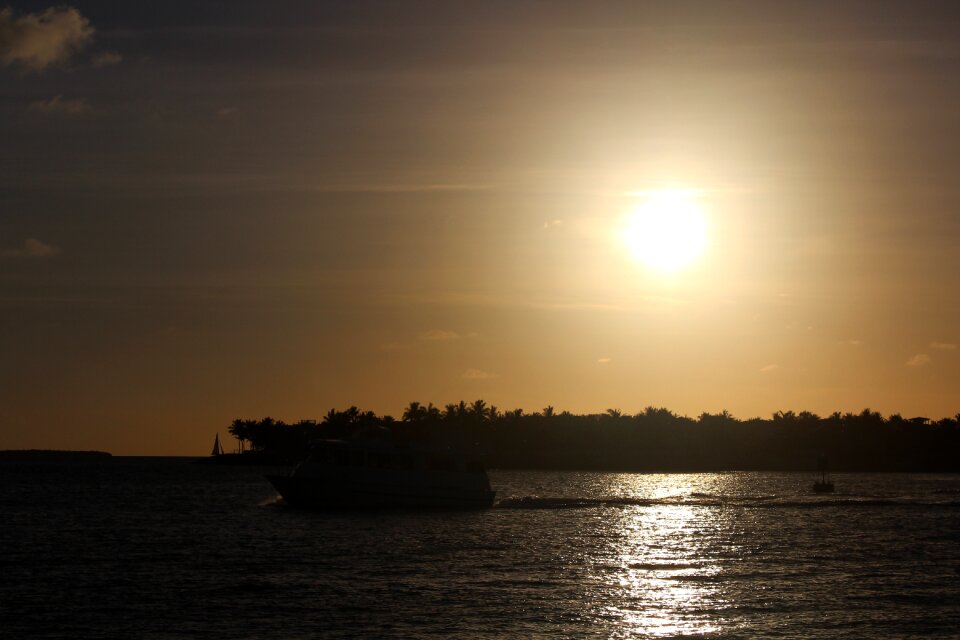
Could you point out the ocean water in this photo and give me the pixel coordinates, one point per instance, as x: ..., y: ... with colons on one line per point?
x: 159, y: 548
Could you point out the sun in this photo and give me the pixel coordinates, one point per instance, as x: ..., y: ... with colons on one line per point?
x: 666, y: 231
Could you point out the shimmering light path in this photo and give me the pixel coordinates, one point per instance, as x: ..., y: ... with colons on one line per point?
x: 160, y: 548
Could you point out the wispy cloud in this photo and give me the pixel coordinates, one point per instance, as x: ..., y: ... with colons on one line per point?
x: 106, y: 59
x: 919, y: 360
x: 511, y: 301
x: 31, y: 248
x: 603, y: 360
x: 943, y: 346
x: 394, y: 346
x: 412, y: 187
x: 60, y: 105
x: 440, y: 335
x: 853, y: 342
x: 552, y: 223
x: 226, y: 112
x: 769, y: 368
x: 36, y: 41
x: 478, y: 374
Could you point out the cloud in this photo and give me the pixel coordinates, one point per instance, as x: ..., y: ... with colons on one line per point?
x: 60, y: 105
x: 552, y: 223
x: 394, y: 187
x: 943, y: 346
x: 31, y: 248
x: 477, y: 374
x: 36, y: 41
x: 394, y: 346
x: 226, y: 112
x: 919, y: 360
x: 440, y: 335
x: 603, y: 360
x: 854, y: 343
x: 769, y: 368
x: 106, y: 59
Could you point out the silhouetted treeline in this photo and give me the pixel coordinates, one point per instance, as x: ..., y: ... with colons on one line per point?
x: 654, y: 440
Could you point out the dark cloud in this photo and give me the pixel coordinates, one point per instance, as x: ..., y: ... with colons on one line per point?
x: 106, y: 59
x: 31, y: 248
x: 36, y: 41
x: 60, y: 105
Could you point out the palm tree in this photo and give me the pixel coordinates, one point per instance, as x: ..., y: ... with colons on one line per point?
x: 240, y: 430
x: 450, y: 412
x: 414, y: 413
x: 478, y: 410
x: 352, y: 414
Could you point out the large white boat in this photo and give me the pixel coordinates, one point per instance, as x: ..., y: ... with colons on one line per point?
x: 341, y: 474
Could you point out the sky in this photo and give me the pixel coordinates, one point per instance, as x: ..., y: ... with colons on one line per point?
x: 239, y: 209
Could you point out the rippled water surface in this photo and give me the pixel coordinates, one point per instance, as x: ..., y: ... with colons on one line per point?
x: 159, y: 548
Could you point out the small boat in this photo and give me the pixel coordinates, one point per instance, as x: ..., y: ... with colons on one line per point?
x: 822, y: 484
x: 372, y: 474
x: 217, y: 447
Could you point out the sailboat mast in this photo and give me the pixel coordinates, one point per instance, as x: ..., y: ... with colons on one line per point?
x: 217, y: 447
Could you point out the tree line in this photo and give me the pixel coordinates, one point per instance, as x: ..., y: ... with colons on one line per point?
x: 656, y: 439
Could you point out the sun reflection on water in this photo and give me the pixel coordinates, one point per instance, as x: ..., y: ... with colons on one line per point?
x: 661, y: 575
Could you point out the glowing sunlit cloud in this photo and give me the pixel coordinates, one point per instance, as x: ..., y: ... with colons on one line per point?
x: 943, y: 346
x: 477, y: 374
x: 439, y: 335
x: 919, y: 360
x: 666, y: 231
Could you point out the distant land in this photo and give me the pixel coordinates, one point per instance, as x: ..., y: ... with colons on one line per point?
x: 51, y: 455
x: 653, y: 440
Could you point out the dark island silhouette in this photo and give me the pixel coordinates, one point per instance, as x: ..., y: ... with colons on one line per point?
x: 655, y: 439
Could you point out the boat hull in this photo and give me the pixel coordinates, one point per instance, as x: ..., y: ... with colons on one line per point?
x: 321, y: 493
x: 823, y: 487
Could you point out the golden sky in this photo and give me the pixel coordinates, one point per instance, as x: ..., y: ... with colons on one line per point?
x: 247, y: 209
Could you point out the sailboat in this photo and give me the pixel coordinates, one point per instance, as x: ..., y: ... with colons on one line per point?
x: 217, y: 447
x: 822, y: 484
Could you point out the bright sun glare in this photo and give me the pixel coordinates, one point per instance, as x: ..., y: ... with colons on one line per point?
x: 666, y: 231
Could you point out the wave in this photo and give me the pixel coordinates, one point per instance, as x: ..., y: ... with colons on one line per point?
x: 707, y: 500
x: 946, y: 492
